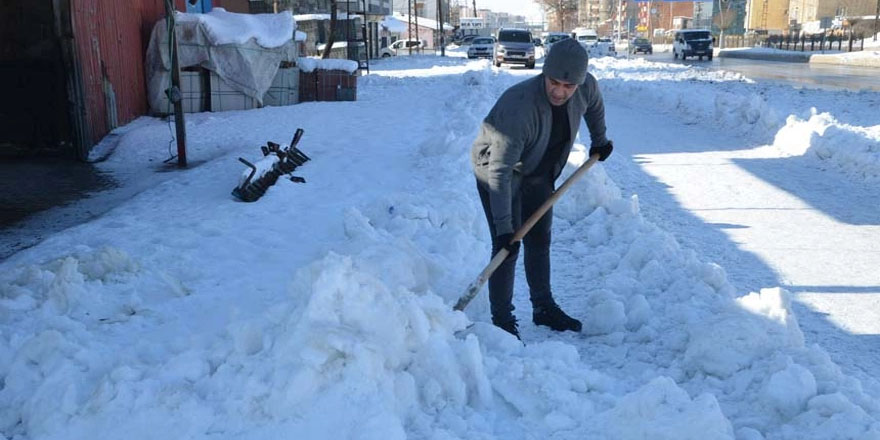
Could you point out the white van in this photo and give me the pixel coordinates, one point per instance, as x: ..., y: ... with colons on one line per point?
x: 402, y: 47
x: 692, y: 43
x: 587, y: 37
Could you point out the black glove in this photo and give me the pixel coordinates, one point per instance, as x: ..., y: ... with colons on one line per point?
x: 603, y: 151
x: 504, y: 241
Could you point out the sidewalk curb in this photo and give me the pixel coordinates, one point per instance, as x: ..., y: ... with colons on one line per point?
x: 787, y: 57
x: 856, y: 62
x: 806, y: 57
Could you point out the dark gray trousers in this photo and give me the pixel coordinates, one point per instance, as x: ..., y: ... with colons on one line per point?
x: 532, y: 193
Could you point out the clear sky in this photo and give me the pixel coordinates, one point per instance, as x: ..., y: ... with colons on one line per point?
x: 520, y: 7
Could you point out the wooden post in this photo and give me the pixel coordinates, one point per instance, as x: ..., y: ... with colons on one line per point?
x: 179, y: 123
x: 876, y: 22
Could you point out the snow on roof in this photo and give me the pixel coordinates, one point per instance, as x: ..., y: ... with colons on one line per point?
x: 310, y: 64
x: 222, y: 27
x: 339, y: 44
x: 393, y: 24
x: 309, y: 17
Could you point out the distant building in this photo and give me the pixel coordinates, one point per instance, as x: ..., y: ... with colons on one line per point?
x: 423, y: 8
x: 803, y: 11
x: 767, y: 15
x: 662, y: 15
x: 729, y: 15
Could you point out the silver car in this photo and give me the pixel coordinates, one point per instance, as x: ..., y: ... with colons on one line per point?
x: 515, y: 46
x: 481, y: 47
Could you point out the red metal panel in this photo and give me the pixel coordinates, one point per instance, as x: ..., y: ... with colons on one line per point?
x: 111, y: 39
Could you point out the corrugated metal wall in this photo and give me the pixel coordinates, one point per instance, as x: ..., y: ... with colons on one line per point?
x: 111, y: 40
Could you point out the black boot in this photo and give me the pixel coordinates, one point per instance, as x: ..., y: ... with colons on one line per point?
x: 508, y: 326
x: 552, y: 316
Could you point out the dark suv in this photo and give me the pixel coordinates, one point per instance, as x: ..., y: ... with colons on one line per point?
x: 641, y: 45
x: 515, y: 46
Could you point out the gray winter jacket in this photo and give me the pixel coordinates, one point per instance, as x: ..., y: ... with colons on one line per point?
x: 513, y: 138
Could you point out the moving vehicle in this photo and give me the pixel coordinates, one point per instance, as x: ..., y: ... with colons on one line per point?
x: 603, y: 47
x: 465, y: 40
x: 641, y: 45
x: 515, y: 46
x: 401, y: 47
x: 587, y: 37
x: 692, y: 43
x: 552, y: 38
x: 481, y: 47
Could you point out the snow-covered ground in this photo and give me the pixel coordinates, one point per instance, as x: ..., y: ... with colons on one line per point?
x: 323, y: 310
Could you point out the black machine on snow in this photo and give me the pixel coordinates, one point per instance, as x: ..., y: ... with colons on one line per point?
x: 276, y: 162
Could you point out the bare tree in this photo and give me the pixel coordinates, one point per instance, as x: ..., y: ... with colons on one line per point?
x: 332, y: 37
x: 724, y: 20
x: 562, y: 9
x: 454, y: 12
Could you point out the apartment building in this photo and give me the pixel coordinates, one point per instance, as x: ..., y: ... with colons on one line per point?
x: 767, y: 15
x: 423, y: 8
x: 803, y: 11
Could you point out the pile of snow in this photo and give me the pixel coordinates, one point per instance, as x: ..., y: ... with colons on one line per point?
x: 310, y: 64
x: 324, y: 309
x: 726, y: 101
x: 853, y: 150
x: 222, y: 27
x: 692, y: 94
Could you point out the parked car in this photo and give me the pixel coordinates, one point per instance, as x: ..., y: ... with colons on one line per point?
x: 515, y: 46
x: 552, y: 38
x: 603, y: 47
x: 465, y: 40
x: 401, y: 47
x: 641, y: 45
x: 481, y: 47
x: 692, y: 43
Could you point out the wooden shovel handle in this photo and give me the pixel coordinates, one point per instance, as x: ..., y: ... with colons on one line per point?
x: 474, y: 287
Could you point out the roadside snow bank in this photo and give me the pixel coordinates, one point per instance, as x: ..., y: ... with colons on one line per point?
x: 693, y: 95
x: 852, y: 150
x: 718, y: 98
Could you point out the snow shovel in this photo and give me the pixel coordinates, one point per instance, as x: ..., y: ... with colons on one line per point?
x: 475, y: 286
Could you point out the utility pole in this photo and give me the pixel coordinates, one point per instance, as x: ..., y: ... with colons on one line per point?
x: 475, y: 8
x: 442, y: 35
x: 174, y: 91
x: 877, y: 21
x: 409, y: 23
x: 416, y: 18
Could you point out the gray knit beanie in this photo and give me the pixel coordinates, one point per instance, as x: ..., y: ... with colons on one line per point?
x: 567, y: 61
